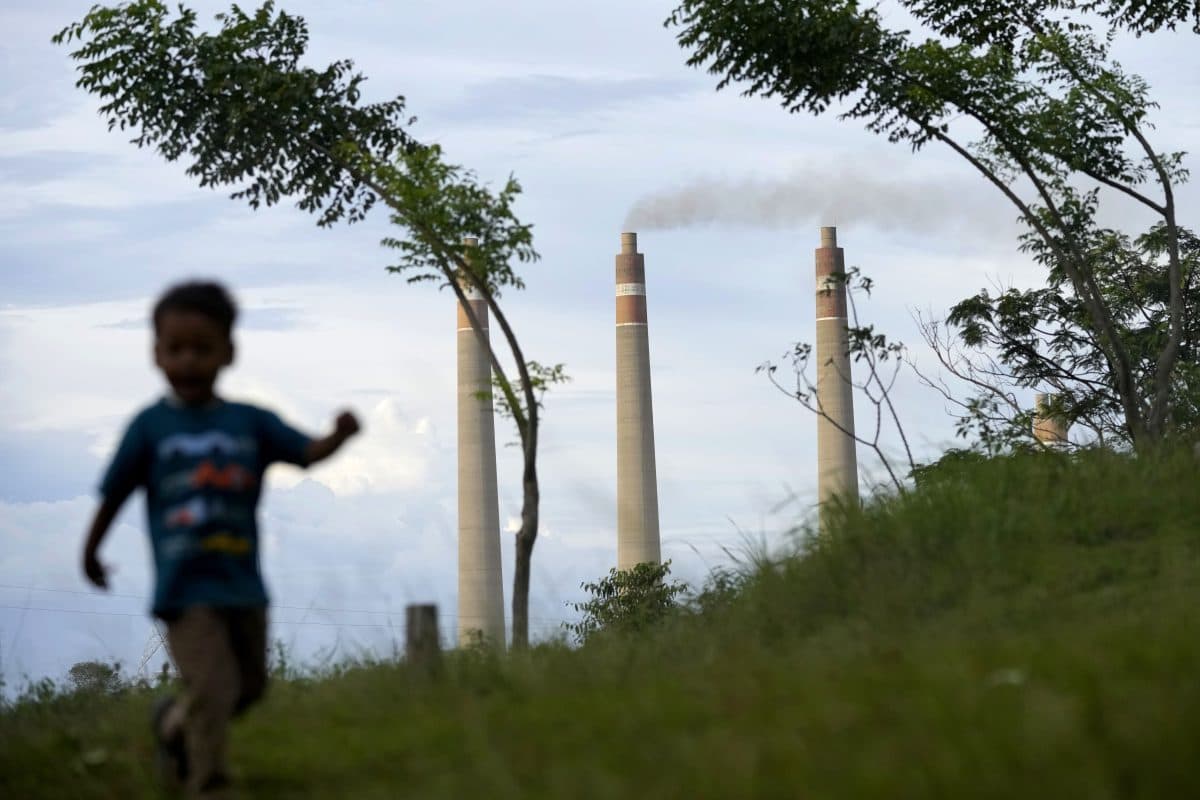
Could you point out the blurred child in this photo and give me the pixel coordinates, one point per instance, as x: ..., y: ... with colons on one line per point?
x: 201, y: 460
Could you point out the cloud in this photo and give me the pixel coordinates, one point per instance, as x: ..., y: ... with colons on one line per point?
x: 49, y: 619
x: 46, y: 464
x: 58, y: 368
x: 28, y: 26
x: 397, y: 452
x: 519, y: 97
x: 278, y: 318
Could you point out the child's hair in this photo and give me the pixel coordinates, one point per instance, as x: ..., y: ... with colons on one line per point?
x: 201, y: 297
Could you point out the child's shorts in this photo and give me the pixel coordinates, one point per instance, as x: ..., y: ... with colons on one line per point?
x: 221, y: 653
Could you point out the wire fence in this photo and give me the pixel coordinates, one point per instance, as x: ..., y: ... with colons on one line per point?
x: 308, y: 609
x: 384, y: 627
x: 370, y: 631
x: 391, y: 623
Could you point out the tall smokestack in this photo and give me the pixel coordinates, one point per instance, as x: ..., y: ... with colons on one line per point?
x: 837, y: 463
x: 637, y: 484
x: 1049, y: 428
x: 480, y: 582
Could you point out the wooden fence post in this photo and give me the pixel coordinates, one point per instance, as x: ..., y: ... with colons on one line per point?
x: 422, y: 646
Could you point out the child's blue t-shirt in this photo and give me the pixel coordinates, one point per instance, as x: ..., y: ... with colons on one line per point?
x: 202, y: 469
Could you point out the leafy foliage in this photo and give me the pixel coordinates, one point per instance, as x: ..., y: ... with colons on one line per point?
x: 628, y: 601
x: 1042, y: 337
x: 541, y: 378
x: 238, y: 103
x: 1056, y: 121
x: 242, y: 108
x: 440, y: 202
x: 948, y: 468
x: 96, y: 676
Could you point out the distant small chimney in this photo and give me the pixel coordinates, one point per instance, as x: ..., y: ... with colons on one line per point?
x: 1049, y: 427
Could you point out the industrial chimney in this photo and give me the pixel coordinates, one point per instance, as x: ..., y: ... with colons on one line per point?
x: 837, y: 463
x: 480, y: 582
x: 1049, y: 428
x: 637, y: 484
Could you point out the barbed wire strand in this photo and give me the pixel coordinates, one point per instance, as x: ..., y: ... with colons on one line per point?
x: 143, y: 598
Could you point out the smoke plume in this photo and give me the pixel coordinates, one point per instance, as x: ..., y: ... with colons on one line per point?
x: 879, y: 198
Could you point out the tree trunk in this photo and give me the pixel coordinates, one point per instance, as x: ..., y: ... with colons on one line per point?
x: 524, y: 555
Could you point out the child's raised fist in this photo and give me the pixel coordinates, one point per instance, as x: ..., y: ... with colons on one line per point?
x: 346, y: 424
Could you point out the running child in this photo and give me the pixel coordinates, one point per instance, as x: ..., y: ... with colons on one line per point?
x: 201, y: 459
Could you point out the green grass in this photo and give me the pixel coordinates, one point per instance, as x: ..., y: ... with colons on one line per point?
x: 1030, y: 628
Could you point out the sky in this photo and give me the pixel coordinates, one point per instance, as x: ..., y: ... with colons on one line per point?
x: 590, y: 105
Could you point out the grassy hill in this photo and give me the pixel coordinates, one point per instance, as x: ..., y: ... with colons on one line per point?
x: 1025, y: 628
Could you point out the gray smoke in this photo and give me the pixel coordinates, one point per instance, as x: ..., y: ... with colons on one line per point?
x: 880, y: 198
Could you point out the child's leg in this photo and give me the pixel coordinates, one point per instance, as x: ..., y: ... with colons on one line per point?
x: 248, y: 632
x: 201, y: 644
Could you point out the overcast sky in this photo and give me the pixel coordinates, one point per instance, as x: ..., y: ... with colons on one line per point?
x: 590, y: 105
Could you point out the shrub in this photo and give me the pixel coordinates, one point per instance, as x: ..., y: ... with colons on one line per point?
x: 628, y: 600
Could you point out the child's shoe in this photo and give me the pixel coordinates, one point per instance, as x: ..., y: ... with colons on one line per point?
x: 170, y: 753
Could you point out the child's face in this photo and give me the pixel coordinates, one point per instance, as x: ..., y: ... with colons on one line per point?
x: 191, y: 349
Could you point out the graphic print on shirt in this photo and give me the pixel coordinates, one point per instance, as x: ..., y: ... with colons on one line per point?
x: 200, y: 510
x: 207, y: 475
x: 186, y: 515
x: 231, y: 477
x: 225, y: 542
x: 198, y: 483
x: 196, y: 445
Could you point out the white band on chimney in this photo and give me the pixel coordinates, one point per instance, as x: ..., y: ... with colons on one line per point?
x: 624, y: 289
x: 472, y: 293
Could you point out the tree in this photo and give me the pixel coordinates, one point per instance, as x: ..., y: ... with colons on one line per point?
x: 629, y: 600
x: 1059, y: 125
x: 998, y: 342
x: 96, y: 677
x: 882, y: 359
x: 244, y: 112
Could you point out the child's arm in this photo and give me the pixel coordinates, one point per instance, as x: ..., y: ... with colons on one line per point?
x: 105, y: 514
x: 344, y: 427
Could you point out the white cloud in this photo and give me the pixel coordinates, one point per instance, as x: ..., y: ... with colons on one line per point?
x: 394, y: 456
